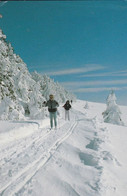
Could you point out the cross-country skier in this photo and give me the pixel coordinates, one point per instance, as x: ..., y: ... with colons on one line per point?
x: 52, y: 108
x: 67, y: 107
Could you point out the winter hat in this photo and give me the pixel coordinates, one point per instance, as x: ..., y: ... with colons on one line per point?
x: 51, y: 96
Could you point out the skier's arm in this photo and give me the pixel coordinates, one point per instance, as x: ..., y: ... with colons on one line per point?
x: 57, y: 104
x: 45, y: 103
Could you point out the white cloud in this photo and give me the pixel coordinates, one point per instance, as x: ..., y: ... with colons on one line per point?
x: 84, y: 90
x: 94, y: 83
x: 120, y: 73
x: 2, y: 3
x: 90, y: 90
x: 86, y: 68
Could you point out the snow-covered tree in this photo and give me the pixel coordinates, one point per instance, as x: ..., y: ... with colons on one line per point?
x: 10, y: 110
x: 23, y: 93
x: 48, y: 86
x: 112, y: 114
x: 86, y: 105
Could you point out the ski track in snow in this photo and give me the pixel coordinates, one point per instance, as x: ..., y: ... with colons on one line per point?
x: 20, y: 173
x: 24, y: 158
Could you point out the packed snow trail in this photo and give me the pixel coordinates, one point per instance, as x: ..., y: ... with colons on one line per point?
x: 30, y: 155
x: 27, y: 156
x: 73, y: 169
x: 72, y: 160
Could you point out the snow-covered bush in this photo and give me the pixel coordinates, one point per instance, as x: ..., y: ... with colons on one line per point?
x: 10, y: 110
x: 112, y: 112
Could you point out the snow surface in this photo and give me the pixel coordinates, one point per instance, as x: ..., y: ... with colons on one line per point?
x: 83, y: 157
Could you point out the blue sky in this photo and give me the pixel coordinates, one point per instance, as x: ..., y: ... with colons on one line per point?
x: 80, y: 44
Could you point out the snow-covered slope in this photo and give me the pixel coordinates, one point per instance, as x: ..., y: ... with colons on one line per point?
x: 83, y: 157
x: 22, y: 93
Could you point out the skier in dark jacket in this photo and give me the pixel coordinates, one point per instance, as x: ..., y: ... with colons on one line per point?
x: 67, y: 107
x: 52, y: 108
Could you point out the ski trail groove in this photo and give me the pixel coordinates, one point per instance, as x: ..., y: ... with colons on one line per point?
x: 16, y: 152
x: 30, y: 170
x: 10, y: 150
x: 25, y: 169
